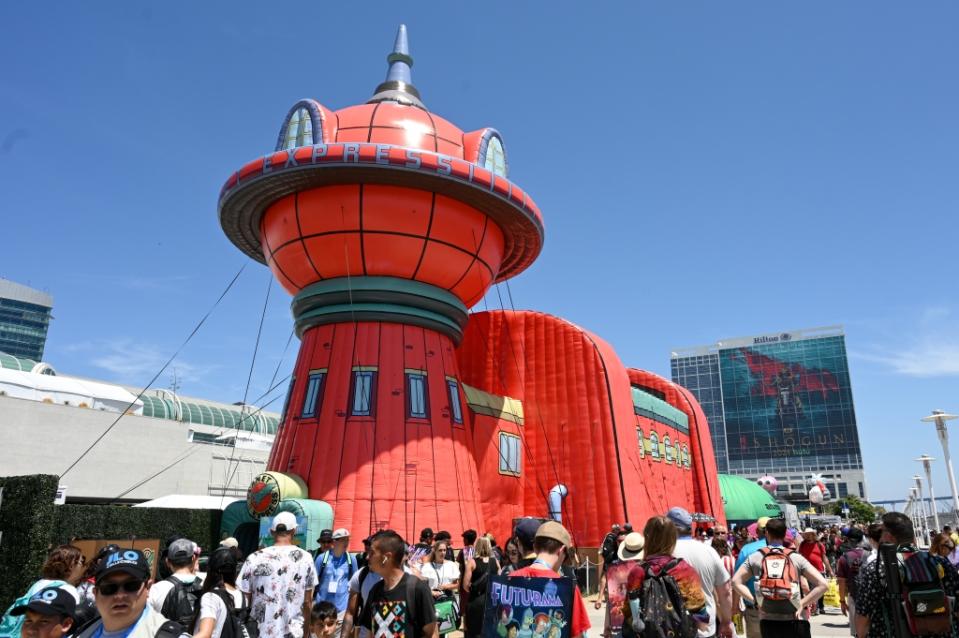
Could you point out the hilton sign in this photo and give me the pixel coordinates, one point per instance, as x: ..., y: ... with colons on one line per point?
x: 772, y: 339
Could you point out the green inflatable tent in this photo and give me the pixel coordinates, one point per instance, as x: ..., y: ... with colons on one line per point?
x: 744, y: 501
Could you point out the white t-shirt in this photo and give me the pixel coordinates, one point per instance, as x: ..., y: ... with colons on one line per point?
x: 371, y: 579
x: 712, y: 574
x: 160, y: 590
x: 212, y: 606
x: 437, y: 574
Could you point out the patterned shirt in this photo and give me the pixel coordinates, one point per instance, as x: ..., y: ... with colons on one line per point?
x: 871, y: 599
x: 278, y: 578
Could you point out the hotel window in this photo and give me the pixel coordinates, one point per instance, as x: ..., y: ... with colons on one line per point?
x: 456, y: 408
x: 667, y: 449
x: 361, y: 401
x: 416, y: 395
x: 677, y: 453
x: 509, y: 454
x: 654, y: 445
x: 314, y: 393
x: 642, y: 443
x: 299, y: 130
x: 685, y: 457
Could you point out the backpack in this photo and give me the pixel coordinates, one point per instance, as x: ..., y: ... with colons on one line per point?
x: 238, y: 622
x: 662, y: 607
x: 928, y: 608
x: 609, y: 548
x: 364, y: 572
x: 183, y: 601
x: 778, y: 582
x: 854, y: 560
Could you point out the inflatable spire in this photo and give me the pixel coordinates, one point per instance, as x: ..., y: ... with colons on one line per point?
x: 386, y: 223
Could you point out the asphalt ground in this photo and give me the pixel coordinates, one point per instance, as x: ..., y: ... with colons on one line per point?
x: 832, y: 623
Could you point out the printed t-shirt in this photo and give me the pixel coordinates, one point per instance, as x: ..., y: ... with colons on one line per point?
x: 401, y: 612
x: 580, y: 618
x: 782, y: 608
x: 212, y: 606
x: 278, y: 577
x: 712, y: 574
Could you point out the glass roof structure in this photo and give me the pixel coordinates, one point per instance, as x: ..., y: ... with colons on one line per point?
x: 24, y: 365
x: 200, y: 413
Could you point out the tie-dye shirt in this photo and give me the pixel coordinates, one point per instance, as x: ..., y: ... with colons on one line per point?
x: 686, y: 577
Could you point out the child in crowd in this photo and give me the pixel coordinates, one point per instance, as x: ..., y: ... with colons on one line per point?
x: 323, y: 620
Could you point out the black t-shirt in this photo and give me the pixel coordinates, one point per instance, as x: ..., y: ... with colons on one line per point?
x: 401, y: 612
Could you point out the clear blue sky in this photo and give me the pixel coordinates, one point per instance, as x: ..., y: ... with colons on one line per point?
x: 706, y: 170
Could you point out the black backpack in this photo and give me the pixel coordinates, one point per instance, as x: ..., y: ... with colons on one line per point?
x: 238, y: 623
x: 183, y: 601
x: 608, y: 550
x: 663, y: 609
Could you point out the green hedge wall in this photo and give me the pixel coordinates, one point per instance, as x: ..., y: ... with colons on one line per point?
x: 32, y: 524
x: 27, y: 520
x: 114, y: 521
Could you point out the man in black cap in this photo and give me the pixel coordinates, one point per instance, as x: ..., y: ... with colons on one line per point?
x: 122, y: 585
x: 49, y: 614
x: 325, y: 542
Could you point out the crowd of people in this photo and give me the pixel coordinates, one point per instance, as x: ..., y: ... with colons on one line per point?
x: 676, y: 581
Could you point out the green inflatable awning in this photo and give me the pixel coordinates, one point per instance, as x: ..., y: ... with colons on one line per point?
x: 745, y: 501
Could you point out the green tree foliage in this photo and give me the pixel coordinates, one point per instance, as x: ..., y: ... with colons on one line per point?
x: 860, y: 511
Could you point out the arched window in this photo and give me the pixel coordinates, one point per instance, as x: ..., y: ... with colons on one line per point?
x: 677, y: 451
x: 495, y: 157
x: 299, y: 130
x: 642, y: 442
x: 654, y: 445
x: 668, y: 450
x: 685, y: 457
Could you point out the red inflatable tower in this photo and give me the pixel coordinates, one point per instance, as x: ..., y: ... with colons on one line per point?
x: 386, y: 223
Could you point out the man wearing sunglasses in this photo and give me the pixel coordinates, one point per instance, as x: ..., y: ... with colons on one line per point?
x: 121, y: 590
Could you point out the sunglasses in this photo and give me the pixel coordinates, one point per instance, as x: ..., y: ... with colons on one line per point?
x: 129, y: 586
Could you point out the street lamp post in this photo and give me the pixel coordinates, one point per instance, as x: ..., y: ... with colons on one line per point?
x: 926, y: 461
x: 923, y: 520
x: 939, y: 418
x: 914, y: 511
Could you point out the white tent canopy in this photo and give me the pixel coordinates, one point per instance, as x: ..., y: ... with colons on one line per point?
x: 191, y: 502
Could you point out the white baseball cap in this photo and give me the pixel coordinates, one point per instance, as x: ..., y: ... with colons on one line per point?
x: 283, y: 522
x: 341, y: 533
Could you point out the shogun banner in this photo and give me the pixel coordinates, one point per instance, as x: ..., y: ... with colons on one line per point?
x: 523, y: 607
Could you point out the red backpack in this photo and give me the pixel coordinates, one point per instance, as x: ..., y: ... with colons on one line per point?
x: 779, y: 578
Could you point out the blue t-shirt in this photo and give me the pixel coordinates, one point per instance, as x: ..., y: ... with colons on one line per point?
x: 337, y: 571
x: 749, y: 548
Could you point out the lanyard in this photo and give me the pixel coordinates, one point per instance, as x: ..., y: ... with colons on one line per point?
x: 543, y: 563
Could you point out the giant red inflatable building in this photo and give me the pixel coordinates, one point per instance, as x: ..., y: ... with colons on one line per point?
x: 387, y: 223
